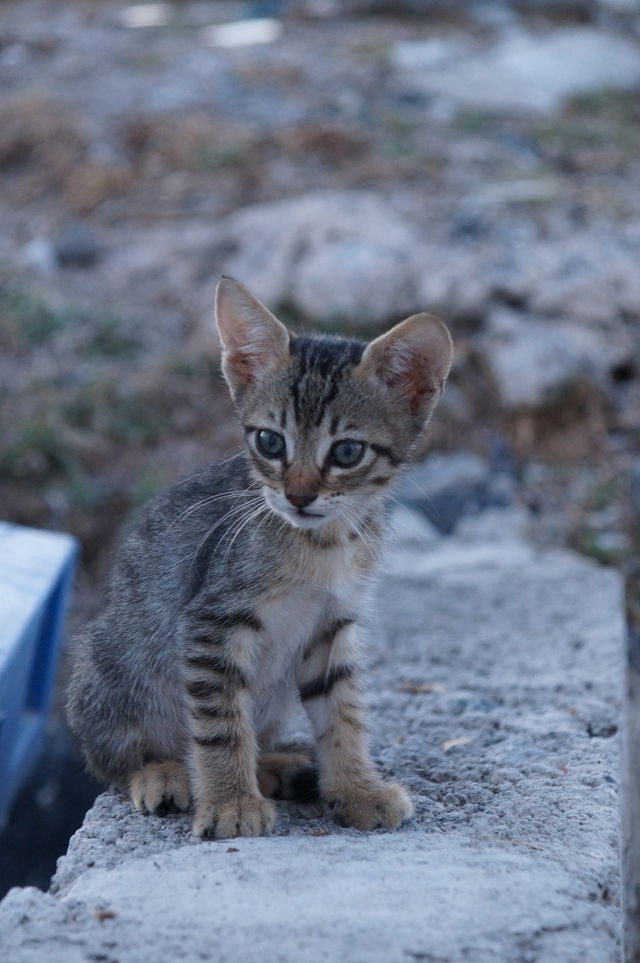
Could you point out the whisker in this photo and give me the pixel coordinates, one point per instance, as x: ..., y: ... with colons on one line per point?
x: 360, y: 525
x: 238, y: 493
x: 425, y: 494
x: 237, y: 510
x: 226, y: 461
x: 263, y: 520
x: 243, y: 524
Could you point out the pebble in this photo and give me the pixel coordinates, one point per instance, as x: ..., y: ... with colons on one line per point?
x: 77, y: 246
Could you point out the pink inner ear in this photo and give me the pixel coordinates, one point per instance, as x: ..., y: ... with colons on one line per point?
x: 419, y: 387
x: 407, y: 370
x: 413, y: 360
x: 253, y: 339
x: 243, y: 365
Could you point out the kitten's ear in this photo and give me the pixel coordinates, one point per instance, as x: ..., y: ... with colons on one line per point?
x: 412, y: 361
x: 253, y: 340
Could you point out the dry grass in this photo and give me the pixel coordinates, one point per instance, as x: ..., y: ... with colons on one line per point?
x: 92, y: 423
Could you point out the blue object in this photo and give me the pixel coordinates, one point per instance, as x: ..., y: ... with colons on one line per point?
x: 36, y: 568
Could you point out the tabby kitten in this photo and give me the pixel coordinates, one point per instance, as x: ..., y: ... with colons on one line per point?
x: 238, y: 594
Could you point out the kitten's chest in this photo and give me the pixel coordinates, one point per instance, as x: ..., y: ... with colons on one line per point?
x: 331, y: 588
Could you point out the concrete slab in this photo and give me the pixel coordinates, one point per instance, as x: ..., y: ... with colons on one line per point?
x: 497, y: 692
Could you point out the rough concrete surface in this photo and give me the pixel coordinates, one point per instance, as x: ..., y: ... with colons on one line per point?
x: 497, y: 690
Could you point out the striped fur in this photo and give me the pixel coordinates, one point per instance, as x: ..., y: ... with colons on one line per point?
x: 236, y: 599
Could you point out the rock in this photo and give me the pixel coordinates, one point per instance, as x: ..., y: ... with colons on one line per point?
x: 522, y: 71
x: 337, y: 281
x: 417, y: 56
x: 520, y: 191
x: 454, y: 283
x: 589, y: 278
x: 609, y: 545
x: 350, y: 256
x: 609, y: 292
x: 532, y: 361
x: 77, y: 246
x: 601, y: 728
x: 40, y: 255
x: 494, y: 526
x: 578, y: 308
x: 448, y: 487
x: 329, y: 254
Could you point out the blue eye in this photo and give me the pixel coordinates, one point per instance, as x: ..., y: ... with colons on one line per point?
x: 347, y: 453
x: 270, y: 443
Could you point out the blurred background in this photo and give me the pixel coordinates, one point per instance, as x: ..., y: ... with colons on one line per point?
x: 352, y: 162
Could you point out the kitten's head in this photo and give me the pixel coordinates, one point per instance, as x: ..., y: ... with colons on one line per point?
x: 329, y: 421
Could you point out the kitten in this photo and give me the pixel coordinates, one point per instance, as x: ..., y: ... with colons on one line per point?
x: 238, y: 594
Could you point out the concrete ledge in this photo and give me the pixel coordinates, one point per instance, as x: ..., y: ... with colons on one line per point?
x: 497, y: 690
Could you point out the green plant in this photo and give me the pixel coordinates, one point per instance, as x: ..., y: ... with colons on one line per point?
x: 26, y: 319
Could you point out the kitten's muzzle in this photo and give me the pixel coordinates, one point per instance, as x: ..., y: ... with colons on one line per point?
x: 300, y: 500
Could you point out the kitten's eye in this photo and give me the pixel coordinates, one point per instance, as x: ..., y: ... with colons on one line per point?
x: 346, y: 454
x: 270, y: 443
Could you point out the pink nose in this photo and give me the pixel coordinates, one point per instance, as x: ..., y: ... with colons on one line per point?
x: 299, y: 499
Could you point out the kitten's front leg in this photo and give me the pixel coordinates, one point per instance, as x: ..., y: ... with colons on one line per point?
x: 330, y: 682
x: 223, y: 752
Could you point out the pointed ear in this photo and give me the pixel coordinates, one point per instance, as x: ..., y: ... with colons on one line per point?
x: 412, y: 361
x: 254, y: 342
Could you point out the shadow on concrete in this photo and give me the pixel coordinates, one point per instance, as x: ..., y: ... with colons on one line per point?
x: 47, y: 811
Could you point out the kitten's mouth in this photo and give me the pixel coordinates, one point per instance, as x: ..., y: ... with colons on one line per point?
x: 298, y: 517
x: 303, y: 518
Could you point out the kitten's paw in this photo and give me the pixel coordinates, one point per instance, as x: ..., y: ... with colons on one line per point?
x: 385, y: 807
x: 160, y: 788
x: 244, y: 816
x: 288, y: 775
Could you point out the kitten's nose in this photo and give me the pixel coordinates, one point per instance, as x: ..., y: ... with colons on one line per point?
x: 300, y: 499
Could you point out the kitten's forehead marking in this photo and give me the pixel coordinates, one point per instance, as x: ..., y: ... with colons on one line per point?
x: 319, y: 367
